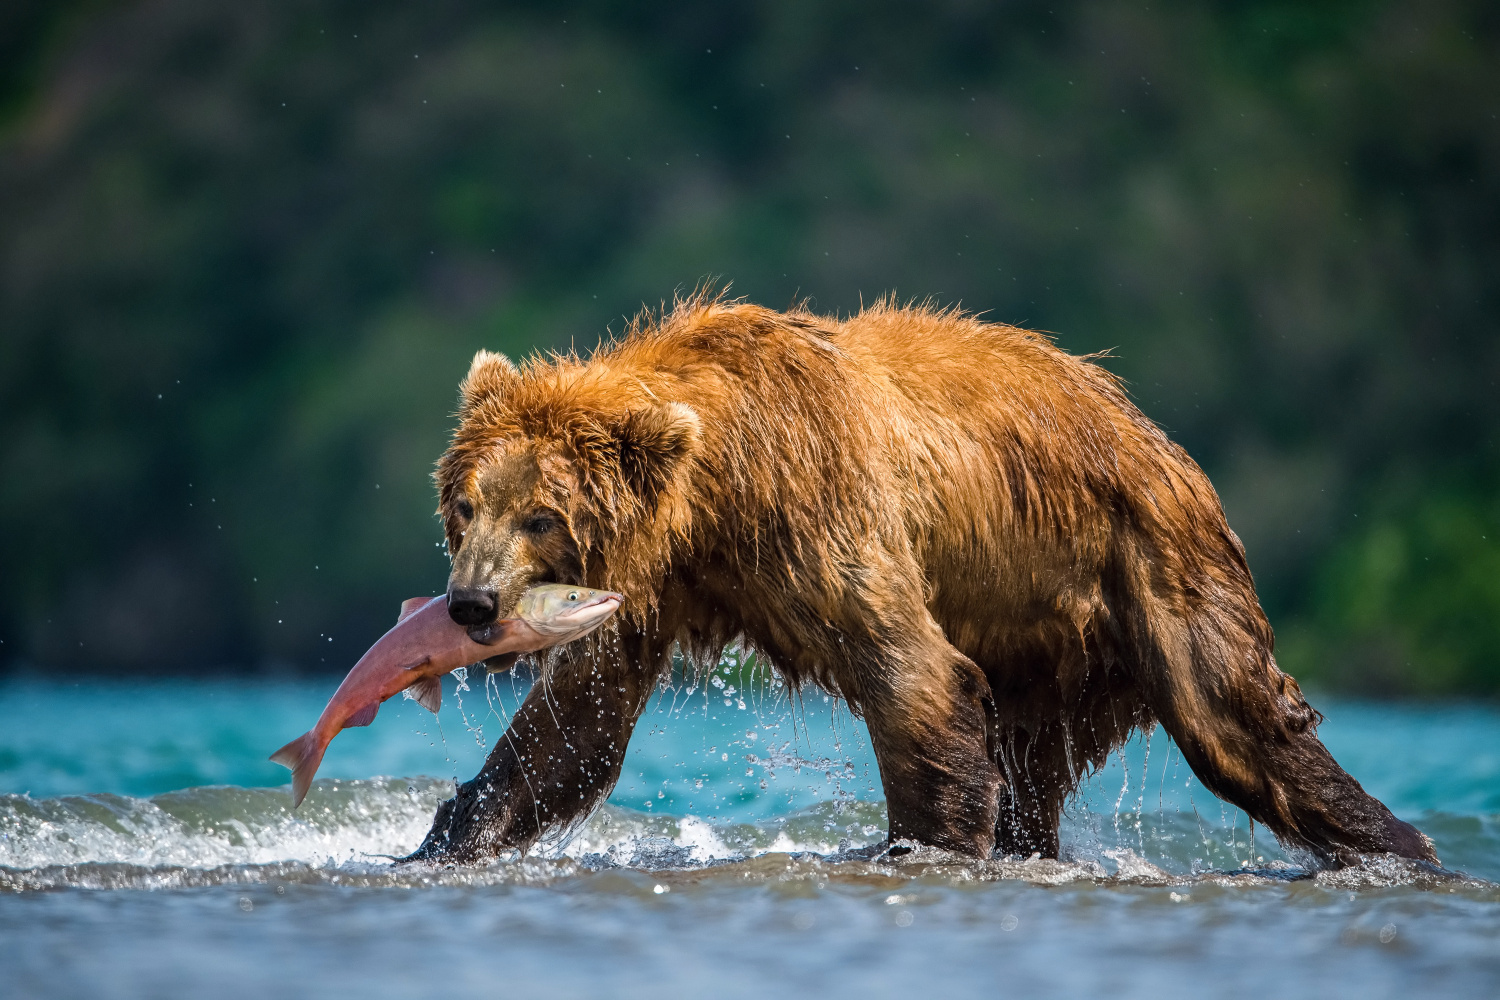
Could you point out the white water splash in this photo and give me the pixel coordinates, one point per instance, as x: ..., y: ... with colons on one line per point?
x: 348, y: 830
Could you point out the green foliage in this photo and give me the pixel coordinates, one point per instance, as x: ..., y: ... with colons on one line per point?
x: 247, y: 248
x: 1410, y: 603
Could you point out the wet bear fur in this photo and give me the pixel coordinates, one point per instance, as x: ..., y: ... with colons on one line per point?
x: 970, y: 536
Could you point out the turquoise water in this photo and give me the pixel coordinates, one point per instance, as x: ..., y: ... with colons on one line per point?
x: 147, y: 848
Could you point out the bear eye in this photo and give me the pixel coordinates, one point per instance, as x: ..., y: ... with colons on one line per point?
x: 464, y: 509
x: 538, y: 524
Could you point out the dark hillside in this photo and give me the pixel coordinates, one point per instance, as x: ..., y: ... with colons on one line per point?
x: 246, y: 249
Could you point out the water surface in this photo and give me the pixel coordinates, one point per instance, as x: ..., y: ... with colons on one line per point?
x: 148, y: 848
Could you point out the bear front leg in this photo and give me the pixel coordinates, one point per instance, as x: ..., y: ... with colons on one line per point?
x: 558, y: 760
x: 930, y: 726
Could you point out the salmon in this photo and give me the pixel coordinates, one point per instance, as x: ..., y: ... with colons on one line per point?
x: 424, y: 644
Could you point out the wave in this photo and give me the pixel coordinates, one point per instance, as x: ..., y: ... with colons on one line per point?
x: 348, y: 821
x: 349, y: 831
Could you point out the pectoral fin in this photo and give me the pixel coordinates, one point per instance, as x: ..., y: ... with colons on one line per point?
x: 427, y: 692
x: 363, y: 717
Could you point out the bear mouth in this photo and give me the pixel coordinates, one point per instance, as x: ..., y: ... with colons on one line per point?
x: 492, y: 631
x: 490, y: 634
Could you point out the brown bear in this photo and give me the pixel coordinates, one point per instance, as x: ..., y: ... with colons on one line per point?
x: 970, y: 536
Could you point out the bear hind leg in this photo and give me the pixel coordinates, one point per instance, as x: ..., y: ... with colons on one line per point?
x: 1245, y: 729
x: 1035, y: 770
x: 1042, y: 762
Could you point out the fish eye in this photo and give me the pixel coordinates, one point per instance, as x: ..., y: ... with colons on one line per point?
x: 572, y: 595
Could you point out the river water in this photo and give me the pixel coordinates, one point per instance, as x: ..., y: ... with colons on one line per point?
x: 147, y: 848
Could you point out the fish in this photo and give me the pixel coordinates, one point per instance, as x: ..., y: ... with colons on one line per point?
x: 426, y: 643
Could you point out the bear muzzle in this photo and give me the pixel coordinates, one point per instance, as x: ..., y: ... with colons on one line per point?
x: 472, y: 607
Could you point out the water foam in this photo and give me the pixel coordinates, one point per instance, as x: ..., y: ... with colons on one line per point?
x: 344, y: 821
x: 219, y: 825
x: 347, y: 831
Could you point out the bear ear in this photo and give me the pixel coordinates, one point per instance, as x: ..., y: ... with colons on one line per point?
x: 653, y: 442
x: 491, y: 376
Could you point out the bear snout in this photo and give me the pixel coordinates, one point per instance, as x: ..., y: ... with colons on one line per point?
x: 471, y: 606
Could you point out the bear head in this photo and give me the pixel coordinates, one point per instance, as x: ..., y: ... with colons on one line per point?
x: 563, y: 473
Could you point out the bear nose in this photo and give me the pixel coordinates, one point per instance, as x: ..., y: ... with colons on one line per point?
x: 470, y: 606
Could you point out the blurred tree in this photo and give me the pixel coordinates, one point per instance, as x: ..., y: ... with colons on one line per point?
x: 245, y: 250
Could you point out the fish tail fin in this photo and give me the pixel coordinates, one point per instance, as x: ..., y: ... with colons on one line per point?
x: 302, y: 755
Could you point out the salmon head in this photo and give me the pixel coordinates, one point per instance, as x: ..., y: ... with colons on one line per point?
x: 563, y: 613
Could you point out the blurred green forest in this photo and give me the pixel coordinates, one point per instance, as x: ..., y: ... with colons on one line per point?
x: 247, y: 248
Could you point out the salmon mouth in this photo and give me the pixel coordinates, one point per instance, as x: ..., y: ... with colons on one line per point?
x: 578, y: 620
x: 586, y: 614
